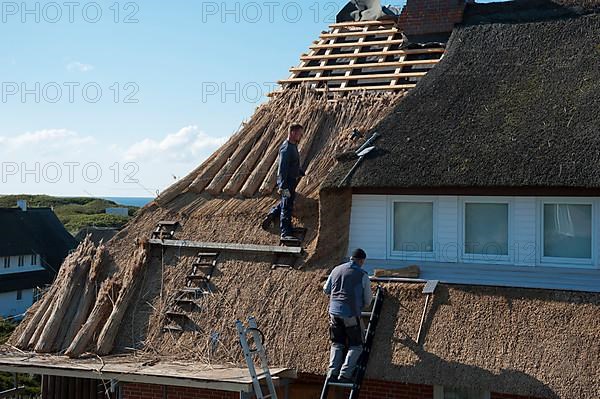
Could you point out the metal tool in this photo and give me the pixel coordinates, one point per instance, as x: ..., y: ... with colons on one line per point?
x: 428, y: 290
x: 361, y: 156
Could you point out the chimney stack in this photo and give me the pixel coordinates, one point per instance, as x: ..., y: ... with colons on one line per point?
x: 22, y: 204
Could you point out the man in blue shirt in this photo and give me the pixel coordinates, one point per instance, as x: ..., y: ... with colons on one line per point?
x: 288, y: 176
x: 349, y: 289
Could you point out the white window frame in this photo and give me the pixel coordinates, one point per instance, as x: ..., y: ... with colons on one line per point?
x: 565, y: 262
x: 404, y: 255
x: 438, y: 393
x: 462, y: 220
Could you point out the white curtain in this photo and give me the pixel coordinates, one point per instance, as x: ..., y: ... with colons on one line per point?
x: 568, y: 231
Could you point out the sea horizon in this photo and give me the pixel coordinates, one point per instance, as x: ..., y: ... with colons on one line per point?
x: 130, y: 201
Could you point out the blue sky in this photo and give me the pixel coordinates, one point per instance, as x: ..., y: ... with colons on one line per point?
x: 112, y: 98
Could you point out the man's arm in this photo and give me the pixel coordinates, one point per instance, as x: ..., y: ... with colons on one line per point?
x: 367, y: 294
x: 283, y: 168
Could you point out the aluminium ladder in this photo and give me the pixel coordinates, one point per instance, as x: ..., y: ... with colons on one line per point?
x: 258, y: 338
x: 361, y: 366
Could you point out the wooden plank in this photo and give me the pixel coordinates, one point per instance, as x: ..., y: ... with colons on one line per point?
x: 368, y: 88
x: 357, y: 77
x: 359, y: 33
x: 363, y: 23
x: 373, y: 54
x: 355, y: 44
x: 228, y: 247
x: 216, y: 377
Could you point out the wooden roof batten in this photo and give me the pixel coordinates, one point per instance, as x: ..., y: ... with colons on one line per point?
x: 362, y: 56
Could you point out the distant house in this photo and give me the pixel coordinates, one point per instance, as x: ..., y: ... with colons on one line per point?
x: 33, y: 245
x: 117, y: 211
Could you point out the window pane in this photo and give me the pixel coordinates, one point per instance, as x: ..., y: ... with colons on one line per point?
x: 568, y: 231
x: 486, y: 229
x: 413, y: 227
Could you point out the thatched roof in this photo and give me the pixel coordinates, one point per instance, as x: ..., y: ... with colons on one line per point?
x: 529, y: 342
x: 510, y: 105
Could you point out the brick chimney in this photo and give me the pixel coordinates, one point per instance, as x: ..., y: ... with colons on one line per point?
x: 424, y: 17
x: 22, y: 204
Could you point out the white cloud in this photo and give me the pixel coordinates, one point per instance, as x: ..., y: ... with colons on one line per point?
x: 79, y: 66
x: 45, y: 144
x: 46, y: 138
x: 188, y: 144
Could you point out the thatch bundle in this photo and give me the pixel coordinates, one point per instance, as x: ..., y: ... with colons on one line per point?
x: 79, y: 302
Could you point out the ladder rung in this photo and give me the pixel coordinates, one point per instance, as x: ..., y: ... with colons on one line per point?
x: 206, y: 254
x: 342, y: 384
x: 196, y: 277
x: 203, y: 263
x: 366, y: 314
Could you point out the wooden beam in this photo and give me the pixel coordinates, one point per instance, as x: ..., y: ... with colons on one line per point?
x: 363, y: 23
x: 359, y: 33
x: 373, y: 54
x: 357, y: 77
x: 355, y: 44
x: 228, y: 247
x: 365, y: 88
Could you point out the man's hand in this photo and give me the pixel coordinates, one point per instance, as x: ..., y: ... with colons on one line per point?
x: 285, y: 193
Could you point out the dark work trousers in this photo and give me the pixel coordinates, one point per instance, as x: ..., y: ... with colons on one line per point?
x: 284, y: 211
x: 346, y: 335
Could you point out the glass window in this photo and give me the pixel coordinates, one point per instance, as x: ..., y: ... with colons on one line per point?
x: 568, y: 231
x: 19, y: 295
x: 21, y: 261
x: 7, y: 262
x: 486, y: 229
x: 34, y: 260
x: 413, y: 226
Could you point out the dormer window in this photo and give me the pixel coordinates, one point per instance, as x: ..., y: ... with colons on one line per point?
x: 34, y: 260
x: 7, y: 262
x: 21, y: 261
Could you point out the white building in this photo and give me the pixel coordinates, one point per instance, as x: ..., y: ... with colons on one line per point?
x: 33, y: 245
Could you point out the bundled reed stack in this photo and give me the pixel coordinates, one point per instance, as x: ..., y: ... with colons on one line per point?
x: 43, y: 328
x: 130, y: 283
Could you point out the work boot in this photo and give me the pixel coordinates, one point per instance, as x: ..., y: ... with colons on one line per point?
x: 267, y: 223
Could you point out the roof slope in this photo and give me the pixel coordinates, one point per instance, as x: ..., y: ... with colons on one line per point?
x: 36, y: 230
x: 510, y: 105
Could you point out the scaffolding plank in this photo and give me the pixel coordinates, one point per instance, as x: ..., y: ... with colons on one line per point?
x: 228, y: 247
x: 438, y: 50
x: 357, y: 77
x: 356, y: 44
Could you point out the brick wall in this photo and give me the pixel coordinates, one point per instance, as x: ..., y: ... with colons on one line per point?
x: 307, y: 386
x: 508, y: 396
x: 420, y: 17
x: 147, y: 391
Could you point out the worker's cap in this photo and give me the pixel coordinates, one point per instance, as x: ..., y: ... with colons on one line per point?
x: 359, y: 254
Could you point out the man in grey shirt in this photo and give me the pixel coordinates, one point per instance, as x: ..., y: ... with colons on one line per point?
x: 349, y: 289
